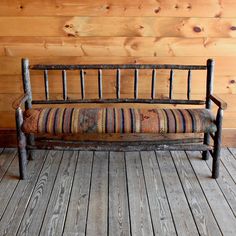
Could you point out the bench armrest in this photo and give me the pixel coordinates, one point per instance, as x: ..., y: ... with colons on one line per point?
x: 219, y: 102
x: 19, y: 101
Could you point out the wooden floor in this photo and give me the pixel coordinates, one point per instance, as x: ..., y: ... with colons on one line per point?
x: 116, y: 193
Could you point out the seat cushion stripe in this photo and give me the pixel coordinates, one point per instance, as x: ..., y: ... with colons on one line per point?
x: 117, y: 120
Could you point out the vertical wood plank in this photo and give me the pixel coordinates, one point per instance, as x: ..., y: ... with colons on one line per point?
x: 82, y: 84
x: 64, y: 84
x: 98, y: 204
x: 119, y: 222
x: 17, y: 205
x: 53, y: 222
x: 202, y: 213
x: 46, y: 84
x: 160, y: 211
x: 139, y: 210
x: 78, y: 206
x: 118, y: 83
x: 182, y: 215
x: 33, y: 217
x: 153, y: 89
x: 217, y: 202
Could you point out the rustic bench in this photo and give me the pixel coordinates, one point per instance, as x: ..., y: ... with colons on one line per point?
x: 45, y: 124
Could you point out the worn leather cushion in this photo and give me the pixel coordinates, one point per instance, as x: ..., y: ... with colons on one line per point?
x: 117, y: 120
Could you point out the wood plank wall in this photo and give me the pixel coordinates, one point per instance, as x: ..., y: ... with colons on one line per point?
x: 118, y: 31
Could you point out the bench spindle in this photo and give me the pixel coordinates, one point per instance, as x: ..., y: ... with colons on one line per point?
x: 82, y: 84
x: 64, y: 83
x: 46, y: 84
x: 100, y: 83
x: 171, y: 84
x: 153, y: 83
x: 189, y: 84
x: 118, y: 83
x: 136, y: 83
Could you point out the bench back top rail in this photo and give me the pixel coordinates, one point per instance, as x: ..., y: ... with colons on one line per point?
x: 118, y: 67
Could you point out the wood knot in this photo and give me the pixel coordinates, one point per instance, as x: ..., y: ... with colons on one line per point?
x: 157, y: 10
x: 108, y: 7
x: 21, y: 7
x: 233, y: 27
x: 176, y: 6
x: 197, y: 29
x: 189, y: 6
x: 232, y: 81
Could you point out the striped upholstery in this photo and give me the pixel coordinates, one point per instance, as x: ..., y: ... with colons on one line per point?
x: 117, y: 120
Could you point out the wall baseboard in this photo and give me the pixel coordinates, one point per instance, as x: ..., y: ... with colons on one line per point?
x: 8, y: 138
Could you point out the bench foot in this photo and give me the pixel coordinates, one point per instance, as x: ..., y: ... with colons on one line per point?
x: 217, y: 145
x: 22, y: 155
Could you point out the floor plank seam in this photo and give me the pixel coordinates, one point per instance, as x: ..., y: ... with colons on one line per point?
x: 145, y: 184
x: 29, y: 198
x: 90, y: 184
x: 233, y: 154
x: 222, y: 163
x: 15, y: 156
x: 77, y: 158
x: 50, y: 192
x: 199, y: 182
x: 127, y: 189
x: 12, y: 191
x: 221, y: 187
x: 168, y: 201
x: 189, y: 205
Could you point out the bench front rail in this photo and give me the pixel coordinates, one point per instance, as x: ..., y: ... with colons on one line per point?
x: 167, y: 141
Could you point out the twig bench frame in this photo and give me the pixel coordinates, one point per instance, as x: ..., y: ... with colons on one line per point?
x: 168, y: 141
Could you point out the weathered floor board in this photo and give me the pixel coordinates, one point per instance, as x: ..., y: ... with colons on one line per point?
x: 182, y: 215
x: 160, y: 212
x: 119, y: 221
x: 141, y: 222
x: 18, y: 203
x: 38, y: 203
x: 98, y: 204
x: 78, y: 205
x: 56, y: 210
x: 213, y: 193
x: 201, y: 211
x: 147, y: 193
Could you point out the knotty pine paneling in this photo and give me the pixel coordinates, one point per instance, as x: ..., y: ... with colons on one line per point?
x: 118, y: 31
x: 55, y: 26
x: 181, y: 8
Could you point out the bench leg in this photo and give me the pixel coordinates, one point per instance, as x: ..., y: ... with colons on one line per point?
x: 217, y: 145
x: 206, y: 154
x: 21, y: 144
x: 30, y: 141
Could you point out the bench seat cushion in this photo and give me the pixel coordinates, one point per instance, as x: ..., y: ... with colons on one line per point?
x: 117, y: 120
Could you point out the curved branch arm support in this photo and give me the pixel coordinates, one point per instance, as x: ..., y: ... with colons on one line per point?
x: 20, y: 101
x: 219, y: 102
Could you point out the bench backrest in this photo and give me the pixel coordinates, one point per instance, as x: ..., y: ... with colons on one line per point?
x: 26, y: 67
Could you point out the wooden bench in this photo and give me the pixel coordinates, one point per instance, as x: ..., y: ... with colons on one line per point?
x: 123, y: 128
